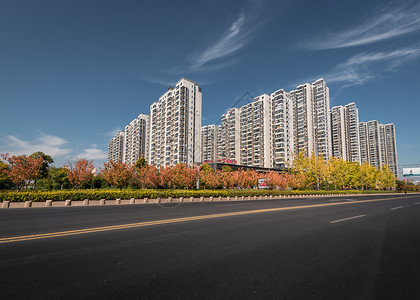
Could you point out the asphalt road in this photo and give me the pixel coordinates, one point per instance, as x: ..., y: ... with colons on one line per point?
x: 320, y: 248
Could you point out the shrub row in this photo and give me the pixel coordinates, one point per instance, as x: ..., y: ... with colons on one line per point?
x: 152, y: 194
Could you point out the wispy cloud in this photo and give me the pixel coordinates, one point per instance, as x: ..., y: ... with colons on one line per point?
x: 388, y: 22
x: 368, y: 66
x: 221, y: 53
x: 113, y: 132
x: 93, y: 153
x: 49, y: 144
x: 242, y: 30
x: 231, y: 41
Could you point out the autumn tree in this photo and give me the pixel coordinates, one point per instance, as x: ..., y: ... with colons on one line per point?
x: 213, y: 179
x: 367, y: 174
x: 386, y: 178
x: 184, y: 176
x: 46, y: 162
x: 277, y: 180
x: 166, y: 177
x: 79, y: 172
x: 117, y: 174
x: 316, y: 169
x: 148, y: 176
x: 301, y: 166
x: 22, y: 169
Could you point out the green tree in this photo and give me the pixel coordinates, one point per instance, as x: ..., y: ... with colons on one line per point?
x: 141, y: 163
x: 227, y: 169
x: 99, y: 182
x: 5, y: 181
x: 47, y: 160
x: 59, y: 179
x: 205, y: 168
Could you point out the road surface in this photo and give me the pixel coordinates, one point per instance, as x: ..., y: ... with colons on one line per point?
x: 364, y: 247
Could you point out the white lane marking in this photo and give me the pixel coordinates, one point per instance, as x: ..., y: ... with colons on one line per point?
x: 396, y: 207
x: 355, y: 217
x: 417, y: 203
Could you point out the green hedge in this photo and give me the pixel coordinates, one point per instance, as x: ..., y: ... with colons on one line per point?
x: 152, y: 194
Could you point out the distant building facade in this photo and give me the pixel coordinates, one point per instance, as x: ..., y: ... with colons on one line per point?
x: 209, y: 143
x: 345, y: 132
x: 282, y: 129
x: 378, y: 145
x: 256, y: 133
x: 229, y: 140
x: 116, y: 147
x: 136, y: 139
x: 175, y: 126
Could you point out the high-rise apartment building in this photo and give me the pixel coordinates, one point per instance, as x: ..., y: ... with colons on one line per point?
x: 175, y: 126
x: 338, y: 132
x: 374, y: 143
x: 352, y: 132
x: 116, y: 147
x: 364, y: 144
x: 345, y: 132
x: 378, y: 145
x: 303, y: 126
x: 256, y: 132
x: 221, y: 144
x: 321, y: 118
x: 312, y: 125
x: 391, y: 148
x: 282, y: 129
x: 229, y: 142
x: 136, y: 139
x: 209, y: 143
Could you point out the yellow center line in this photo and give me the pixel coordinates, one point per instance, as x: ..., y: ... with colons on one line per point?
x: 176, y: 220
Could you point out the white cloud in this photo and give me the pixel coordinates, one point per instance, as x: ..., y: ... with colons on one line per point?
x: 112, y: 133
x: 49, y: 144
x: 160, y: 82
x: 388, y: 22
x: 367, y: 66
x: 218, y: 54
x: 233, y: 39
x: 92, y: 154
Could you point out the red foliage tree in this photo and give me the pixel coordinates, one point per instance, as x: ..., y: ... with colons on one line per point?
x: 228, y: 179
x: 166, y: 177
x: 22, y: 169
x: 212, y: 179
x: 79, y: 172
x: 184, y: 176
x: 148, y: 176
x: 118, y: 174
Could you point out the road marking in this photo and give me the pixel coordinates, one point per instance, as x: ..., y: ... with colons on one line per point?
x: 236, y: 204
x: 337, y: 200
x: 350, y: 218
x: 396, y: 207
x: 176, y: 220
x: 417, y: 203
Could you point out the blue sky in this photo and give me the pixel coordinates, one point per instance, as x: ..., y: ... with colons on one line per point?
x: 72, y: 73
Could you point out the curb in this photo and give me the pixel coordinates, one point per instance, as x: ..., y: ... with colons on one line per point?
x: 105, y: 202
